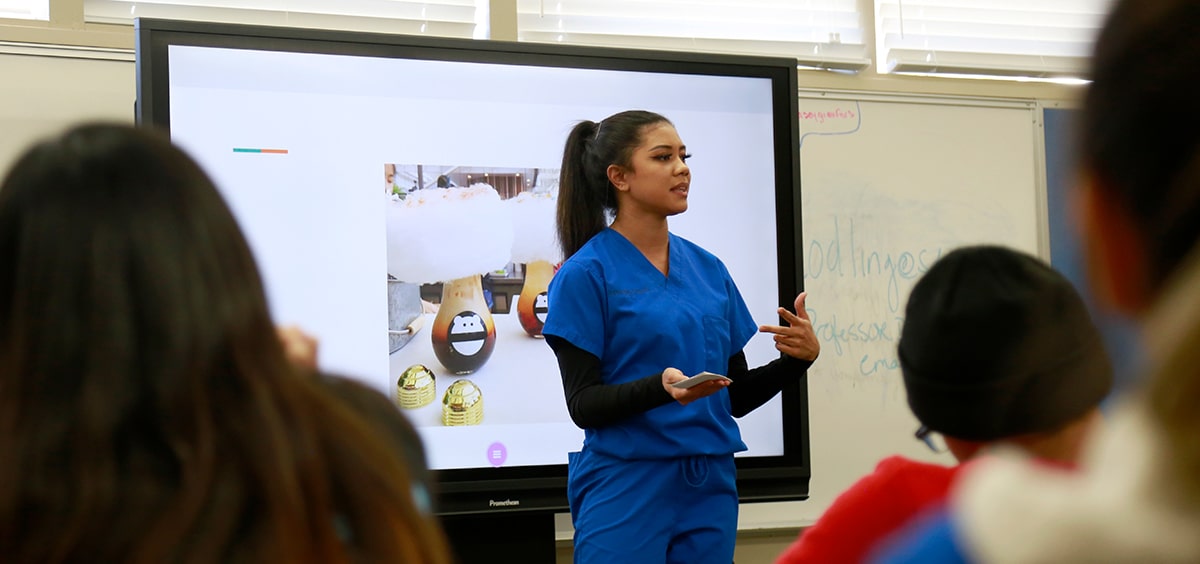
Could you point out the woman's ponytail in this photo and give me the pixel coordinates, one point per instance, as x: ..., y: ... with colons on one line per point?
x: 581, y: 204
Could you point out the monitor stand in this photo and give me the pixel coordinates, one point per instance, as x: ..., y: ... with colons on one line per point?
x: 526, y: 537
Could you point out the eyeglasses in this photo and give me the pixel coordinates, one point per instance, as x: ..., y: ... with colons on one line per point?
x: 931, y: 438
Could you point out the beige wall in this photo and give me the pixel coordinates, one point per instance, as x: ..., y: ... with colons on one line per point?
x: 42, y: 94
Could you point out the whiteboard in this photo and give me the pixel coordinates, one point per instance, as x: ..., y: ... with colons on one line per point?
x: 889, y: 184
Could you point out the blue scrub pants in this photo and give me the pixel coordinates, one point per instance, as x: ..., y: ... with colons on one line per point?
x: 675, y: 510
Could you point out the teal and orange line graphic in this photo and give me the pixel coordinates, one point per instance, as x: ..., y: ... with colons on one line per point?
x: 257, y: 150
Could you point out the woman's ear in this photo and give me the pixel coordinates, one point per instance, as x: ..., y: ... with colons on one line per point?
x: 616, y: 175
x: 1116, y: 261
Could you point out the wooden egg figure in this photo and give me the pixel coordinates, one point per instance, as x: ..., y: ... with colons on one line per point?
x: 464, y: 333
x: 531, y: 306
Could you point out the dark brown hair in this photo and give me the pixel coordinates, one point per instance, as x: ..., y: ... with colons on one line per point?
x: 585, y: 196
x: 147, y: 410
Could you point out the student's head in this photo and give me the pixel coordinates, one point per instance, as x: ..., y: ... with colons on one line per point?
x: 601, y: 162
x: 997, y: 346
x: 389, y: 176
x: 120, y: 259
x: 1141, y: 149
x: 147, y: 409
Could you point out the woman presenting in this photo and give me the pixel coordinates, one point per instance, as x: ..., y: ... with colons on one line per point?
x: 634, y: 310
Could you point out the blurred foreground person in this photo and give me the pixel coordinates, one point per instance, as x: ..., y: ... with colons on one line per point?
x: 148, y: 410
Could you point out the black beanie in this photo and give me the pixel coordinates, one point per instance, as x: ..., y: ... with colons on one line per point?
x: 995, y: 344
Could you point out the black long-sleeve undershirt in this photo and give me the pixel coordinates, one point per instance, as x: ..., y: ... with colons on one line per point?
x: 593, y: 404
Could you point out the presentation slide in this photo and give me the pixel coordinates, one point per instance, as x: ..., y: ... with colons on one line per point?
x: 402, y: 212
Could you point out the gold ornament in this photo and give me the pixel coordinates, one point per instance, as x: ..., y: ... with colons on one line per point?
x: 462, y: 404
x: 416, y: 387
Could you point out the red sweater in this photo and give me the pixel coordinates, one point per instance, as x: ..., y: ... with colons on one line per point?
x: 872, y: 509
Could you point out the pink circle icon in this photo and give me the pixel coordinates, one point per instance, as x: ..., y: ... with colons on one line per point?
x: 497, y: 453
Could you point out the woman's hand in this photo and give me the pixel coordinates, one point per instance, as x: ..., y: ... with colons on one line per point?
x: 689, y: 395
x: 797, y: 339
x: 299, y: 347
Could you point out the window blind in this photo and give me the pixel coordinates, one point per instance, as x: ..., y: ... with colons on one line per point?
x: 1033, y: 38
x: 445, y: 18
x: 818, y: 33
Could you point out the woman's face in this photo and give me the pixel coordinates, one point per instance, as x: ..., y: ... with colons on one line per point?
x: 658, y: 177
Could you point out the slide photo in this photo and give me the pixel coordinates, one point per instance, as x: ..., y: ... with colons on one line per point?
x: 471, y: 251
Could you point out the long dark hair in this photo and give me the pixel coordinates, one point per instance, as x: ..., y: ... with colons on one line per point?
x: 585, y: 195
x: 147, y: 410
x: 1141, y: 138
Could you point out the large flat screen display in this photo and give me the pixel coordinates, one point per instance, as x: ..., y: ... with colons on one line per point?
x: 398, y: 193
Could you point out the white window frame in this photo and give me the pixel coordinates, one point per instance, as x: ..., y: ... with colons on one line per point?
x: 443, y: 18
x: 714, y: 26
x: 25, y: 9
x: 1006, y: 38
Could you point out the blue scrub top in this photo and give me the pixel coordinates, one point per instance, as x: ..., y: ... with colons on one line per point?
x: 609, y: 300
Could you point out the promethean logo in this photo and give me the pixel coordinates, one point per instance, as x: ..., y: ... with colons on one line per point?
x: 504, y: 503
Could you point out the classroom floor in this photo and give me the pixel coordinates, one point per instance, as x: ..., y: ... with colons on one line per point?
x: 753, y: 547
